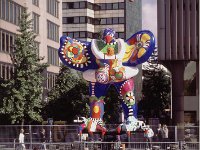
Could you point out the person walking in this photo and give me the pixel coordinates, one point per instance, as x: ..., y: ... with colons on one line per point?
x: 21, y: 140
x: 148, y: 134
x: 159, y: 133
x: 165, y: 133
x: 43, y: 139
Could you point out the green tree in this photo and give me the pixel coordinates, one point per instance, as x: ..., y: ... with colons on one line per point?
x: 156, y: 91
x: 66, y: 80
x: 112, y: 106
x: 69, y: 98
x: 23, y: 101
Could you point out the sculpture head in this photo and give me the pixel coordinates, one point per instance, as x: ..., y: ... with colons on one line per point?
x: 127, y: 93
x: 108, y: 35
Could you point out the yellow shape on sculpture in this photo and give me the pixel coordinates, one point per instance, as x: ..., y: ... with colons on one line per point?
x: 96, y: 109
x: 145, y: 37
x: 141, y: 52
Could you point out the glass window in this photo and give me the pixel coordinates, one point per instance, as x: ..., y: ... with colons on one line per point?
x: 96, y: 35
x: 65, y: 5
x: 11, y: 43
x: 11, y: 13
x: 71, y: 34
x: 97, y: 21
x: 82, y: 19
x: 76, y: 5
x: 3, y: 71
x: 3, y: 41
x: 82, y: 4
x: 36, y: 23
x: 89, y: 20
x: 64, y: 33
x: 115, y: 20
x: 109, y: 6
x: 121, y: 5
x: 35, y: 2
x: 76, y: 34
x: 97, y: 6
x: 89, y: 35
x: 121, y: 19
x: 103, y: 21
x: 52, y: 56
x: 116, y: 6
x: 64, y: 20
x: 82, y: 34
x: 7, y: 43
x: 7, y: 72
x: 52, y: 31
x: 121, y: 35
x: 76, y: 19
x: 7, y: 10
x: 51, y: 80
x: 109, y: 20
x: 103, y: 6
x: 70, y: 20
x: 3, y: 9
x: 70, y: 5
x: 52, y: 7
x: 89, y: 5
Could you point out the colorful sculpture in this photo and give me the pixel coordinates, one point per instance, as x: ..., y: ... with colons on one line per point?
x: 104, y: 62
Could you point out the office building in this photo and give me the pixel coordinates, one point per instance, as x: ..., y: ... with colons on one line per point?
x: 178, y: 50
x: 47, y: 24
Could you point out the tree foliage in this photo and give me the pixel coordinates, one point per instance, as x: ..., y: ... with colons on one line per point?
x: 156, y: 91
x: 112, y: 106
x: 23, y: 100
x: 69, y: 98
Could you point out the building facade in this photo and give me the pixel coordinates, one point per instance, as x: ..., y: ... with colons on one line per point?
x: 85, y: 19
x: 47, y: 24
x: 178, y: 50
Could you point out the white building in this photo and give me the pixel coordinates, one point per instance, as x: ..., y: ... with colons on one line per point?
x: 47, y: 23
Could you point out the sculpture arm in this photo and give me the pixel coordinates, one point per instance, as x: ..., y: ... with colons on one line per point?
x: 139, y: 48
x: 76, y: 54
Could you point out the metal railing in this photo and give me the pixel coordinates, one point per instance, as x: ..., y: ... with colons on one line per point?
x: 98, y: 145
x: 60, y: 135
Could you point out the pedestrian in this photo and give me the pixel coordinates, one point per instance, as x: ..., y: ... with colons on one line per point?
x: 165, y: 133
x: 148, y: 134
x: 159, y: 133
x: 21, y: 140
x: 43, y: 139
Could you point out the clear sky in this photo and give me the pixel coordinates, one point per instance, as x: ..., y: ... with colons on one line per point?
x: 149, y: 16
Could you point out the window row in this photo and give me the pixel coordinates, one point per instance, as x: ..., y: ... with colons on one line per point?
x: 52, y: 31
x: 53, y: 7
x: 53, y: 58
x: 94, y: 21
x: 36, y: 23
x: 37, y: 46
x: 7, y: 40
x: 6, y: 71
x: 35, y: 2
x: 85, y: 34
x: 97, y: 6
x: 51, y: 80
x: 10, y: 11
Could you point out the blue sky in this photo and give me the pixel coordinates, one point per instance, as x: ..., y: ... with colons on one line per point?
x: 149, y: 16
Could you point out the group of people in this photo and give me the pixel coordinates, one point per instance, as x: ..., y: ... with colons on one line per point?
x: 42, y: 139
x: 162, y: 133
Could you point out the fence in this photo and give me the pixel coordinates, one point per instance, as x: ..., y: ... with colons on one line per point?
x: 76, y: 145
x: 67, y: 135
